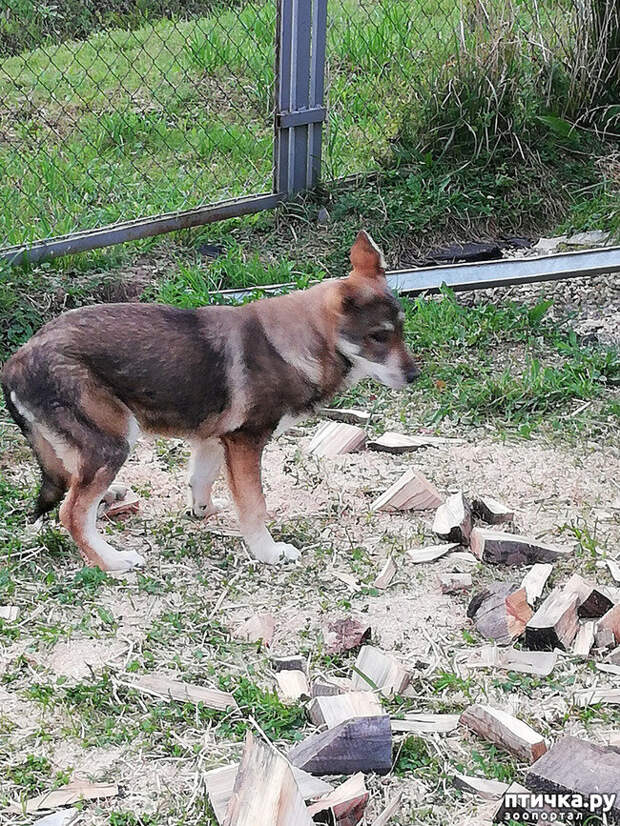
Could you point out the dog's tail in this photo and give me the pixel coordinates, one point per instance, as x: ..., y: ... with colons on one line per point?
x: 53, y: 484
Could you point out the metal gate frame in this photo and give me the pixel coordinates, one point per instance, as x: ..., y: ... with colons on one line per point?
x: 301, y: 29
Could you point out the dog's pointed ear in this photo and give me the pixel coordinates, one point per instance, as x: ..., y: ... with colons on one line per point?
x: 366, y: 258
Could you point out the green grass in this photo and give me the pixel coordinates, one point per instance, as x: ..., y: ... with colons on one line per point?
x: 158, y: 114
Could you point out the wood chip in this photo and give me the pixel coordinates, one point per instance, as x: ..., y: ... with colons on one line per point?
x: 539, y: 663
x: 128, y: 504
x: 335, y: 439
x: 62, y: 818
x: 614, y: 569
x: 576, y: 766
x: 492, y: 511
x: 593, y: 696
x: 159, y: 685
x: 535, y: 580
x: 221, y: 782
x: 258, y: 627
x: 329, y: 687
x: 480, y: 786
x: 9, y: 612
x: 500, y: 612
x: 453, y: 520
x: 391, y: 442
x: 411, y: 492
x: 377, y: 670
x: 292, y: 685
x: 362, y: 744
x: 292, y: 662
x: 345, y: 635
x: 66, y: 796
x: 280, y: 803
x: 611, y: 622
x: 498, y: 547
x: 346, y: 803
x: 555, y: 623
x: 505, y: 731
x: 386, y: 575
x: 332, y: 710
x: 584, y: 640
x: 425, y: 723
x: 593, y: 601
x: 345, y: 414
x: 454, y: 583
x: 431, y: 553
x: 390, y: 810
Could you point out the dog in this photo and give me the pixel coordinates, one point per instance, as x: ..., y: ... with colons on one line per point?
x: 224, y: 378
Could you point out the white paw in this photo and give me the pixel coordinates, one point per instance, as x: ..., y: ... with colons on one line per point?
x: 127, y: 561
x: 276, y: 552
x: 204, y: 511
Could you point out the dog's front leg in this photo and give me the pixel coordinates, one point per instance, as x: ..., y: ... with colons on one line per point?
x: 243, y: 459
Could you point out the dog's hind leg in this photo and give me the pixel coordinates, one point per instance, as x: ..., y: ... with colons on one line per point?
x: 204, y: 467
x: 99, y: 463
x: 243, y: 458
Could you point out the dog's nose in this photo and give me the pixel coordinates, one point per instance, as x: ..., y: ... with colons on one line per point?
x: 412, y: 374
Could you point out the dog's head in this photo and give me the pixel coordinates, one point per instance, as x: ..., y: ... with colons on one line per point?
x: 371, y: 320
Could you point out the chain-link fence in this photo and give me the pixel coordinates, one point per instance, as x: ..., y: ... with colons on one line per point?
x: 114, y: 110
x: 111, y: 112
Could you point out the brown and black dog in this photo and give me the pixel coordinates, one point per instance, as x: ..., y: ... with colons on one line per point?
x: 224, y: 378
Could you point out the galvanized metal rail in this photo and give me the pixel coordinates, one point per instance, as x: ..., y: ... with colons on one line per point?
x: 504, y: 272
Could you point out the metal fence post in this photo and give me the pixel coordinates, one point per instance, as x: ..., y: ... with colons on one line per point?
x: 300, y: 68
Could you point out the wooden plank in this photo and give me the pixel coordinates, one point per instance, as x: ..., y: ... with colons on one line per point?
x: 425, y: 723
x: 67, y: 796
x: 158, y: 685
x: 492, y: 511
x: 255, y: 628
x: 292, y: 685
x: 505, y: 731
x: 280, y: 802
x: 455, y: 583
x: 329, y: 687
x: 500, y: 548
x: 335, y: 439
x: 332, y: 710
x: 220, y: 783
x: 411, y: 491
x: 535, y: 580
x: 346, y: 803
x: 363, y: 744
x: 349, y: 415
x: 555, y: 623
x: 584, y: 640
x: 386, y: 575
x: 377, y: 670
x: 431, y: 553
x: 345, y: 634
x: 576, y: 766
x: 480, y: 786
x: 453, y: 520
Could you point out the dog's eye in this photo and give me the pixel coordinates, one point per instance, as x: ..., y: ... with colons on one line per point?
x: 380, y: 335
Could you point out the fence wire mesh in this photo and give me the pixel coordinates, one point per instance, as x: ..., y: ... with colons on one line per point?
x: 124, y: 108
x: 409, y: 79
x: 111, y: 111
